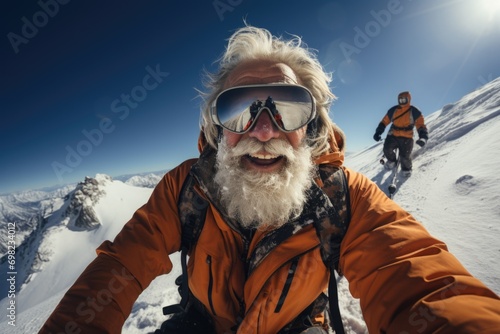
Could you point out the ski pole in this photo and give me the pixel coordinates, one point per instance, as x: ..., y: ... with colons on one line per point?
x: 392, y: 187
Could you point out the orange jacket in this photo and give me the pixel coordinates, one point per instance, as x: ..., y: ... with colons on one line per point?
x: 406, y: 280
x: 404, y: 119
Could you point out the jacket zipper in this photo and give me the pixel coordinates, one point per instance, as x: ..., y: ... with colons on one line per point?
x: 296, y: 258
x: 288, y: 283
x: 210, y: 284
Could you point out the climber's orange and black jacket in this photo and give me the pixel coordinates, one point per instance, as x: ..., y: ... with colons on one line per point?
x: 405, y: 279
x: 404, y: 118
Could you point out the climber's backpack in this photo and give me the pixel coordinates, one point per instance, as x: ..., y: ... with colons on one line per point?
x: 192, y: 217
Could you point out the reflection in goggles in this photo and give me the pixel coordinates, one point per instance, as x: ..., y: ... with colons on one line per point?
x: 257, y: 106
x: 290, y: 106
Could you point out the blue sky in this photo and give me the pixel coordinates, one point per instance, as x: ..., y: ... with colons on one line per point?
x: 109, y: 87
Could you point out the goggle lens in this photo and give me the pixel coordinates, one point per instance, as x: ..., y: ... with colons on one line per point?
x: 290, y: 106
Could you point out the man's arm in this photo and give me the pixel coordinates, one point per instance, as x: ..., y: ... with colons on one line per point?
x: 102, y: 297
x: 98, y: 302
x: 386, y: 120
x: 423, y: 134
x: 378, y: 132
x: 406, y: 280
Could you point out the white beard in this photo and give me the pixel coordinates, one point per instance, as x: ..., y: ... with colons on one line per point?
x: 263, y: 199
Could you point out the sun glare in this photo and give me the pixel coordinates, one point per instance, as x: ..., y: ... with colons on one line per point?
x: 479, y: 16
x: 490, y: 8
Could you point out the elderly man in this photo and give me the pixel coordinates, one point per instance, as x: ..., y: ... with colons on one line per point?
x: 257, y: 265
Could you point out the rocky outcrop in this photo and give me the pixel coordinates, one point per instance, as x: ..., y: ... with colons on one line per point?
x: 82, y: 199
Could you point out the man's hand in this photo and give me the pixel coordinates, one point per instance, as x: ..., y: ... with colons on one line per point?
x: 421, y: 142
x: 422, y: 136
x: 378, y: 131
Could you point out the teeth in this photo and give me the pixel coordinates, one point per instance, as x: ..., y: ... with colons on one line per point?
x: 264, y: 156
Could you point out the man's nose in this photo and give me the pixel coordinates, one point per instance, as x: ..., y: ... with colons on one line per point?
x: 264, y: 128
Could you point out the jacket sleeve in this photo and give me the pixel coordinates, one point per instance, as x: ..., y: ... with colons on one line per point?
x: 387, y: 119
x: 102, y: 297
x: 384, y: 122
x: 406, y: 280
x: 380, y: 129
x: 419, y: 123
x: 421, y: 127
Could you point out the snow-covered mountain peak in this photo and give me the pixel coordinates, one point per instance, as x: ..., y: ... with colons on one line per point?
x: 86, y: 195
x: 148, y: 180
x: 66, y: 236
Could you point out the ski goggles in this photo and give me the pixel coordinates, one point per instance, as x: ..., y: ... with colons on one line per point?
x: 290, y: 106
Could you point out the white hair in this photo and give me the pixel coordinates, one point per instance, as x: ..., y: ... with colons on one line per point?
x: 251, y: 43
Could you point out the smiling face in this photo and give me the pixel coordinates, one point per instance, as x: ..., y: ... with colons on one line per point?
x: 264, y: 174
x: 263, y: 130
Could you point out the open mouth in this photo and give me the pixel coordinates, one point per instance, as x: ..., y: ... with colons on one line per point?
x: 264, y: 159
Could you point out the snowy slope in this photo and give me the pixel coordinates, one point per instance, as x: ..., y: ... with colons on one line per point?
x: 455, y: 188
x: 24, y: 208
x: 454, y: 191
x: 68, y: 249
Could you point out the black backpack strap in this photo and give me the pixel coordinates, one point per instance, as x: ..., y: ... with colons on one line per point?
x: 331, y: 232
x: 335, y: 185
x: 192, y: 212
x: 407, y: 110
x: 333, y: 294
x: 333, y: 301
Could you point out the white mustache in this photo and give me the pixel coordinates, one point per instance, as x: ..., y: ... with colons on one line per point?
x: 251, y: 146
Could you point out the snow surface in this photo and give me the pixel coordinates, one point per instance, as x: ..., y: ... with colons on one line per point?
x: 454, y: 191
